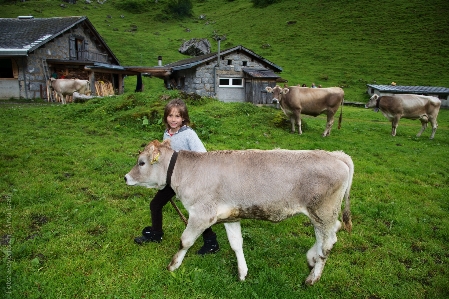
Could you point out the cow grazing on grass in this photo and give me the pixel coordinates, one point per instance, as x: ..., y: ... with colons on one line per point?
x: 66, y: 87
x: 411, y: 106
x: 227, y: 186
x: 310, y: 101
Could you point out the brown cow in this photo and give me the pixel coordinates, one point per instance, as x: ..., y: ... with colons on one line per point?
x: 66, y: 87
x: 411, y: 106
x: 310, y: 101
x: 227, y: 186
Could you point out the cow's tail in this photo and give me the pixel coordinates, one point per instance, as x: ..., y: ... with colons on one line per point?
x: 341, y: 114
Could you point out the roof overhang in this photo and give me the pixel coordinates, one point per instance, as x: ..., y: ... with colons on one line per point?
x: 410, y: 89
x: 13, y: 52
x: 157, y: 71
x: 260, y: 73
x: 94, y: 66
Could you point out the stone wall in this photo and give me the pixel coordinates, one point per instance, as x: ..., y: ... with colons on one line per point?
x: 204, y: 79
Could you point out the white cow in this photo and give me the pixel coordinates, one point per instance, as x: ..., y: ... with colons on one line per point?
x: 298, y: 100
x: 226, y: 186
x: 66, y: 87
x: 411, y: 106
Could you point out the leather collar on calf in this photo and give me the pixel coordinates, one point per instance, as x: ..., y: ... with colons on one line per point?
x: 171, y: 166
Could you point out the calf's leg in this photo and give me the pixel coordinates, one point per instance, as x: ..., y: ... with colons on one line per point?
x: 194, y: 229
x: 234, y: 232
x: 326, y: 237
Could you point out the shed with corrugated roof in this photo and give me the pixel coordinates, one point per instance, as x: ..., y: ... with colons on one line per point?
x: 387, y: 90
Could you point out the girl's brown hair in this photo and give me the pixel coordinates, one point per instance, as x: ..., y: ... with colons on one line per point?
x: 182, y: 109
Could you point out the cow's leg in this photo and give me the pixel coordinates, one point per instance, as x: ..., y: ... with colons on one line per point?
x: 296, y: 119
x: 293, y: 122
x: 194, y: 228
x: 329, y: 124
x: 434, y: 123
x: 234, y: 232
x: 394, y: 124
x: 424, y: 120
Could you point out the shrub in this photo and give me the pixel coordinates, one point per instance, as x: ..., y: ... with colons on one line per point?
x: 180, y: 8
x: 263, y: 3
x: 133, y: 6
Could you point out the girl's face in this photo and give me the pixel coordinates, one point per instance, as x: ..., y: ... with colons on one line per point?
x: 174, y: 120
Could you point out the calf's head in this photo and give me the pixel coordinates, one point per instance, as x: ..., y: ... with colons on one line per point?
x: 277, y: 92
x: 151, y: 168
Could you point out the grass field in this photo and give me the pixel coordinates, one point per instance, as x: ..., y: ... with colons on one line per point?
x: 68, y: 220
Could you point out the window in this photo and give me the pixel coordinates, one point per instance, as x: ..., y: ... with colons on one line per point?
x: 6, y: 68
x: 78, y: 47
x: 229, y: 61
x: 245, y: 63
x: 231, y: 82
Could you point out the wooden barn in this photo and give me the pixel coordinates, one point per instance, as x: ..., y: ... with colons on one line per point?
x: 440, y: 92
x: 236, y: 74
x: 34, y: 49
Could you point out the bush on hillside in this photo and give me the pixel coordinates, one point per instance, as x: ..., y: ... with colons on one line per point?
x: 180, y: 8
x: 263, y: 3
x: 134, y: 6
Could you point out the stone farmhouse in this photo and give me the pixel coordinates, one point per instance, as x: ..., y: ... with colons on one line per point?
x: 236, y: 74
x: 34, y: 49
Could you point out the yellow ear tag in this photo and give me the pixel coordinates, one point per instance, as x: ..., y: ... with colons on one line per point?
x: 155, y: 159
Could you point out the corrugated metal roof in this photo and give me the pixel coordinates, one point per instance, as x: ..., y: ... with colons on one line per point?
x: 260, y: 73
x: 410, y: 89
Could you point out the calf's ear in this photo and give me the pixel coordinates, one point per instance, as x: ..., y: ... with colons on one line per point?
x: 166, y: 142
x: 153, y: 152
x: 269, y: 89
x: 285, y: 90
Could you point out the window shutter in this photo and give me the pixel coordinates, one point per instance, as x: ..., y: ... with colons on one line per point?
x: 86, y: 50
x: 15, y: 69
x: 72, y: 48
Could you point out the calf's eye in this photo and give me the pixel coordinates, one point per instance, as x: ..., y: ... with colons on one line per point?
x: 141, y: 163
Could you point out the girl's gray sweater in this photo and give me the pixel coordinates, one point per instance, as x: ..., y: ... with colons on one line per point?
x: 185, y: 139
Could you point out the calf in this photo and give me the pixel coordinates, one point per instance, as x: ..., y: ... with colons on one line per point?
x: 227, y: 186
x: 411, y: 106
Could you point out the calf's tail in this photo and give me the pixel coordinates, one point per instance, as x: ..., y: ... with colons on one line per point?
x: 347, y: 223
x: 341, y: 114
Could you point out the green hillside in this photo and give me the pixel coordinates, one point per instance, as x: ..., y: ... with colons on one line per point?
x: 346, y: 43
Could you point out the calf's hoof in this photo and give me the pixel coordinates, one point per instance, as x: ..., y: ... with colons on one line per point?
x: 311, y: 279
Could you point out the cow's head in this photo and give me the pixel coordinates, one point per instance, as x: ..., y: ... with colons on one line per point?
x: 277, y: 92
x: 373, y: 102
x: 151, y: 168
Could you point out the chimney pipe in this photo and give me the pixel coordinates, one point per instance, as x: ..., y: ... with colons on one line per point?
x: 159, y: 60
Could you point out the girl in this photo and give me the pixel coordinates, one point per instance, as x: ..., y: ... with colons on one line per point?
x: 176, y: 119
